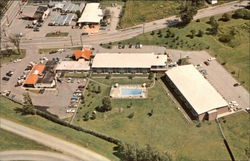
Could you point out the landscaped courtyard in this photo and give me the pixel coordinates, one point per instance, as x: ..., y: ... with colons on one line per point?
x: 155, y: 121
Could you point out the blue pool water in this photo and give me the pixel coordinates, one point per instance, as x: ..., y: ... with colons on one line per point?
x: 130, y: 92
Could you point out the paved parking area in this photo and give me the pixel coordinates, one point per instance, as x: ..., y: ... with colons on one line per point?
x: 217, y: 75
x: 144, y: 49
x: 58, y: 99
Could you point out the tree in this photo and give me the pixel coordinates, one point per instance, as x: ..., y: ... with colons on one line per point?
x: 187, y: 12
x: 214, y: 24
x: 86, y: 116
x: 211, y: 20
x: 99, y: 89
x: 193, y: 32
x: 28, y: 107
x: 78, y: 14
x: 15, y: 40
x: 106, y: 104
x: 200, y: 33
x: 225, y: 17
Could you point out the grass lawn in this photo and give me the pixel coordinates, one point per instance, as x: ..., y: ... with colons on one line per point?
x: 11, y: 141
x: 7, y: 110
x: 10, y: 55
x: 61, y: 34
x: 151, y: 10
x: 75, y: 75
x: 237, y: 130
x: 167, y: 130
x: 235, y: 53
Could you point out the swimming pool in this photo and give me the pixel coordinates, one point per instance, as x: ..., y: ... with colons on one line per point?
x: 130, y: 92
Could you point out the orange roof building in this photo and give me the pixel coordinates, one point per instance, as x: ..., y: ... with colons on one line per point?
x: 34, y: 74
x: 85, y: 53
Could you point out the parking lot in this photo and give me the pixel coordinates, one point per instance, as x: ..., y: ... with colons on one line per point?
x: 54, y: 99
x: 58, y: 99
x: 217, y: 75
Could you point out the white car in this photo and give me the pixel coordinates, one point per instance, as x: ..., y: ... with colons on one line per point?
x: 70, y: 110
x: 210, y: 59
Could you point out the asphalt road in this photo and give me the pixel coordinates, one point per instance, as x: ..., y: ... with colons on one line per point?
x: 45, y: 42
x: 33, y: 155
x: 80, y: 153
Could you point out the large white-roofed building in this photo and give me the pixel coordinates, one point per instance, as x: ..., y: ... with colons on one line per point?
x: 128, y: 62
x: 195, y: 93
x: 73, y: 66
x: 92, y: 14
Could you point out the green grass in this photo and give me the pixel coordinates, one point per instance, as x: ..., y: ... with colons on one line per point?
x: 107, y: 3
x: 166, y: 130
x: 235, y: 53
x: 75, y: 75
x: 11, y: 141
x: 61, y: 34
x: 151, y: 10
x: 7, y: 110
x: 10, y: 55
x: 118, y: 75
x: 237, y: 130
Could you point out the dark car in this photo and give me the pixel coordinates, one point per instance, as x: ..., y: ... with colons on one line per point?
x: 10, y: 73
x: 130, y: 46
x: 36, y: 29
x: 85, y: 33
x: 5, y: 78
x: 206, y: 63
x: 236, y: 84
x: 81, y: 86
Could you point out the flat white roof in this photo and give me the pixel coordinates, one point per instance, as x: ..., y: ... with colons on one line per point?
x: 195, y: 88
x: 128, y: 60
x: 80, y: 65
x: 92, y: 13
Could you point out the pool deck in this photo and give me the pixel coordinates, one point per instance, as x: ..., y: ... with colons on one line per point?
x: 115, y: 92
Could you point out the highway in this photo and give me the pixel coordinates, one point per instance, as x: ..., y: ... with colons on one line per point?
x: 80, y: 153
x: 33, y: 155
x: 45, y: 42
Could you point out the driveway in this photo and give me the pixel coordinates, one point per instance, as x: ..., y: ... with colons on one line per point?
x: 217, y: 75
x: 81, y: 153
x: 34, y: 155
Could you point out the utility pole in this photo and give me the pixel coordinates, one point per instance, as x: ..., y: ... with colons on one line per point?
x: 81, y: 39
x: 71, y: 40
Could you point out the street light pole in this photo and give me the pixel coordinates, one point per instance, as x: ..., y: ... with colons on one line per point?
x: 81, y: 40
x: 71, y: 40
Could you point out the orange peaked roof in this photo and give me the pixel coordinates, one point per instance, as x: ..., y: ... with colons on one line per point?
x: 33, y: 75
x: 85, y: 53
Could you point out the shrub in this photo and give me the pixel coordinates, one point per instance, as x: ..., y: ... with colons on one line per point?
x: 199, y: 124
x: 130, y: 116
x: 152, y: 33
x: 108, y: 76
x: 130, y: 76
x: 225, y: 17
x: 242, y: 13
x: 225, y: 38
x: 200, y: 33
x: 198, y: 20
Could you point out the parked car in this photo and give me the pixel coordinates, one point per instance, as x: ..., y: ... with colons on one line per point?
x: 29, y: 26
x: 130, y: 46
x: 85, y: 33
x: 9, y: 73
x: 70, y: 110
x: 210, y: 59
x: 81, y: 86
x: 5, y: 78
x: 206, y: 63
x: 36, y: 29
x: 236, y: 84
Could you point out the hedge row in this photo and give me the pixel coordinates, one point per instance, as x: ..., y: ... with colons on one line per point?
x: 61, y: 122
